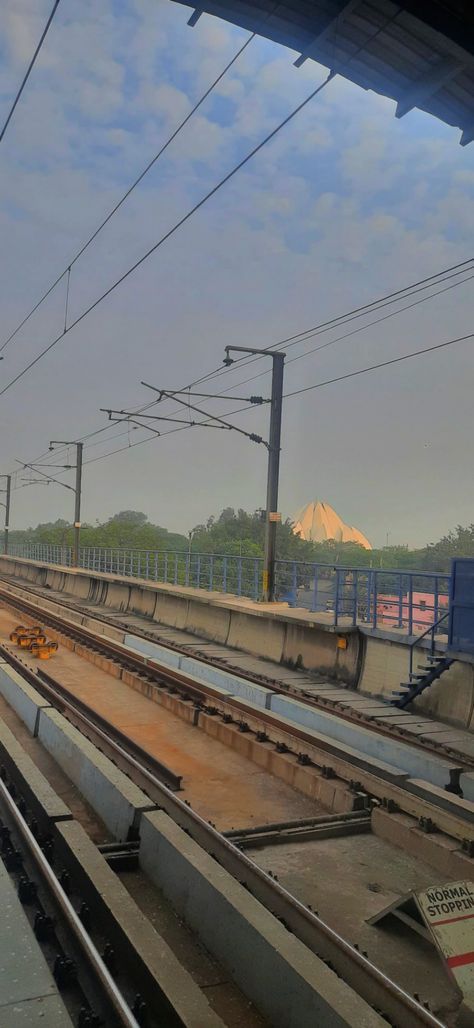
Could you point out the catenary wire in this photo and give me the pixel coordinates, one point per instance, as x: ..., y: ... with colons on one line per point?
x: 142, y: 408
x: 140, y: 177
x: 318, y: 330
x: 130, y: 190
x: 296, y: 392
x: 271, y: 135
x: 29, y: 70
x: 382, y: 364
x: 346, y: 335
x: 335, y: 322
x: 317, y: 385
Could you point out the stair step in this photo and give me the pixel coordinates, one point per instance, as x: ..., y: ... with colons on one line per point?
x: 426, y: 668
x: 414, y: 677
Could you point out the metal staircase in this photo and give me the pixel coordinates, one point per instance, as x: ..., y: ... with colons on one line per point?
x: 426, y: 674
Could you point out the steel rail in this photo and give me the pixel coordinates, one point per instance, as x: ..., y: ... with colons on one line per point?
x: 206, y: 695
x: 357, y: 970
x: 113, y: 997
x: 389, y: 731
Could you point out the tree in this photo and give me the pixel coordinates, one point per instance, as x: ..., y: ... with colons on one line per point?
x: 457, y: 543
x: 130, y: 517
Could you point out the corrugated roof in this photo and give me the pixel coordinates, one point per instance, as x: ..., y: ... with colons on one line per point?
x: 418, y: 52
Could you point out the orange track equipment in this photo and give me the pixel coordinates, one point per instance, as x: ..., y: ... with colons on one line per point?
x: 43, y: 650
x: 26, y: 641
x: 19, y: 630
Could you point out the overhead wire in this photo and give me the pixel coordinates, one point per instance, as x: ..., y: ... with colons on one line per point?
x: 141, y: 176
x: 382, y: 364
x: 124, y: 197
x: 317, y: 385
x: 167, y: 235
x: 293, y: 340
x: 346, y: 335
x: 295, y: 392
x: 29, y: 70
x: 380, y: 302
x: 349, y: 316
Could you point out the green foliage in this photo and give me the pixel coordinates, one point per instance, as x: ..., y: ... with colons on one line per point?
x: 242, y: 533
x: 457, y: 543
x: 235, y: 533
x: 129, y: 528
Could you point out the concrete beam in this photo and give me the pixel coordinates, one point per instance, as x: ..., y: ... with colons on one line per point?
x: 438, y: 75
x: 166, y: 985
x: 467, y: 136
x: 35, y: 788
x: 112, y: 795
x: 22, y: 697
x: 286, y: 981
x: 415, y: 762
x: 312, y: 50
x: 192, y: 21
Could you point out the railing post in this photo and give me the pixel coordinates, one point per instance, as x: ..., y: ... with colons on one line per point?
x: 211, y: 572
x: 256, y: 579
x: 410, y: 606
x: 436, y: 600
x: 354, y: 597
x: 224, y: 575
x: 369, y: 597
x: 336, y: 599
x: 239, y: 576
x: 374, y: 611
x: 294, y: 582
x: 315, y: 588
x: 198, y: 571
x: 165, y: 567
x: 400, y: 602
x: 176, y: 569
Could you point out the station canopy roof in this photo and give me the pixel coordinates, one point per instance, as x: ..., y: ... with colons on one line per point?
x: 418, y: 52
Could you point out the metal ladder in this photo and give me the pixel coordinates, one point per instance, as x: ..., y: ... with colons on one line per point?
x: 425, y: 674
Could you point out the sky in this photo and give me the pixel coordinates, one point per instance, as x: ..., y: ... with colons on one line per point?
x: 346, y: 204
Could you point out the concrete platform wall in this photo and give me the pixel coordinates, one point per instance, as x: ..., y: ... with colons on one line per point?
x: 276, y: 633
x: 374, y: 664
x: 385, y: 665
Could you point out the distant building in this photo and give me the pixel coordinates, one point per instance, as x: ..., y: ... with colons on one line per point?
x: 426, y: 609
x: 318, y: 522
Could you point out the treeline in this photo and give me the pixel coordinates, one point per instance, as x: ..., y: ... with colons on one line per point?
x: 129, y: 528
x: 237, y: 532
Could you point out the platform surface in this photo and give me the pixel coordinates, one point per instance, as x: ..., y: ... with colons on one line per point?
x: 28, y: 994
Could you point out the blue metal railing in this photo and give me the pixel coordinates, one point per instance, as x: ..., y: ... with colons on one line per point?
x: 410, y: 601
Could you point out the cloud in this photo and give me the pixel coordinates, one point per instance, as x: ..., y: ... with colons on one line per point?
x: 346, y: 203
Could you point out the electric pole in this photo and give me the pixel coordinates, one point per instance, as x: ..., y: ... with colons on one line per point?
x: 272, y: 517
x: 77, y: 492
x: 7, y: 491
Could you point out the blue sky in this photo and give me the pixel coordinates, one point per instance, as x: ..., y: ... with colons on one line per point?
x: 345, y: 204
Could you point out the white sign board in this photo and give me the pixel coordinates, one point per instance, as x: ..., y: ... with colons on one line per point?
x: 448, y: 911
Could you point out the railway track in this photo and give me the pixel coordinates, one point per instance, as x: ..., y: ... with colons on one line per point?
x: 204, y: 693
x: 356, y: 969
x: 79, y: 967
